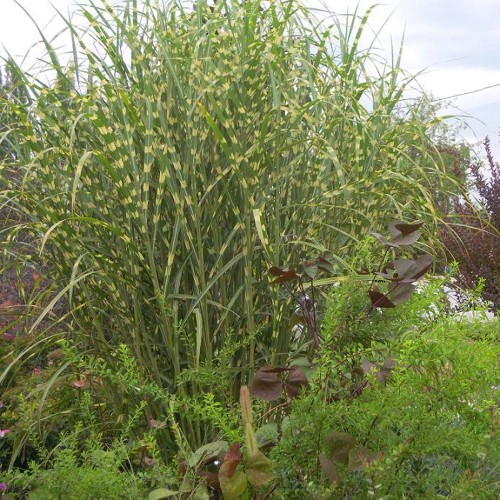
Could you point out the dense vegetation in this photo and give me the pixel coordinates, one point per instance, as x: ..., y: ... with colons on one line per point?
x: 189, y: 181
x: 474, y: 238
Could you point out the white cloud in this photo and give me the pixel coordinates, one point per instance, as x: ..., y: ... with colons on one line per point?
x: 456, y: 41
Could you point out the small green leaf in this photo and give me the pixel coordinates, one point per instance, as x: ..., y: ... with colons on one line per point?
x: 311, y: 270
x: 259, y: 469
x: 161, y: 493
x: 232, y: 485
x: 208, y: 452
x: 267, y: 434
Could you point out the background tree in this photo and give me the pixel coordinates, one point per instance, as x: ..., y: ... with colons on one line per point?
x: 473, y: 239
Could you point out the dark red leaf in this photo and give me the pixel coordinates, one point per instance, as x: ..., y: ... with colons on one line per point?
x: 259, y: 469
x: 422, y: 265
x: 276, y: 271
x: 295, y: 380
x: 232, y: 459
x: 285, y: 277
x: 404, y: 267
x: 413, y: 269
x: 389, y: 364
x: 311, y: 271
x: 379, y: 299
x: 408, y: 239
x: 324, y: 265
x: 404, y: 228
x: 399, y: 292
x: 275, y: 369
x: 266, y: 384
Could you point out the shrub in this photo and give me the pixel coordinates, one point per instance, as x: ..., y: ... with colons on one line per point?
x: 81, y: 467
x: 422, y: 425
x: 473, y: 240
x: 183, y: 151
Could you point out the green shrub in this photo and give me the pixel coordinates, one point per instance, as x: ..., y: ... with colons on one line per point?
x: 428, y: 426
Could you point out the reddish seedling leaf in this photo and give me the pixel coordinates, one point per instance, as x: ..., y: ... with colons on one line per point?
x: 267, y: 384
x: 232, y: 459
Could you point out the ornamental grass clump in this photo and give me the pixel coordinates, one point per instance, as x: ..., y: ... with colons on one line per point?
x: 180, y: 153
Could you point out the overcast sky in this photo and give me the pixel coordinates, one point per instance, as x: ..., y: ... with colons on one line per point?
x: 456, y: 42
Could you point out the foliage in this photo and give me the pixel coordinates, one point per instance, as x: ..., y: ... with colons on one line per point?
x: 393, y: 283
x: 428, y: 427
x: 97, y: 475
x: 85, y: 464
x: 446, y: 148
x: 177, y: 156
x: 11, y: 94
x: 473, y: 240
